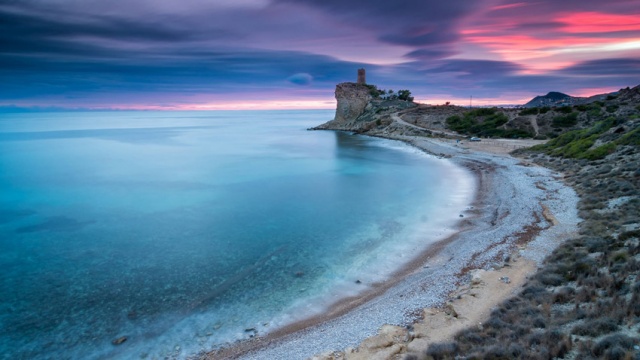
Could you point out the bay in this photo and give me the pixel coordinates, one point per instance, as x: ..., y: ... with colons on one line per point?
x: 184, y: 231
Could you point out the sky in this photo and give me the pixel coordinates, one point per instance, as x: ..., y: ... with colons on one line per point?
x: 289, y: 54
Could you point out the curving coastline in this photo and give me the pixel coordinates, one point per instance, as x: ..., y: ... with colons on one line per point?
x: 520, y: 212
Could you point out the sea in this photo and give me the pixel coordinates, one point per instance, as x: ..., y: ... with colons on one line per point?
x: 151, y: 235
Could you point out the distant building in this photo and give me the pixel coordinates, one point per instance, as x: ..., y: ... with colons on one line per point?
x: 362, y: 76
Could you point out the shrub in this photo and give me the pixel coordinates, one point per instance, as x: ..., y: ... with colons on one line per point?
x: 484, y: 122
x: 483, y: 111
x: 443, y: 350
x: 405, y: 95
x: 630, y: 138
x: 600, y: 152
x: 456, y: 123
x: 595, y: 327
x: 374, y: 91
x: 544, y: 109
x: 566, y: 121
x: 530, y: 111
x: 550, y: 279
x: 594, y: 113
x: 612, y: 341
x: 563, y: 109
x: 612, y: 108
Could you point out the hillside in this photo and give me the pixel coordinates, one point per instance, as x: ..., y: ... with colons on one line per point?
x: 585, y: 302
x: 559, y: 99
x: 361, y: 112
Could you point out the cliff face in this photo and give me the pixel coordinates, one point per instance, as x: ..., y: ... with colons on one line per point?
x: 358, y: 111
x: 352, y: 101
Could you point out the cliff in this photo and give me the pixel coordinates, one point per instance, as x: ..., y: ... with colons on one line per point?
x: 352, y: 100
x: 357, y: 110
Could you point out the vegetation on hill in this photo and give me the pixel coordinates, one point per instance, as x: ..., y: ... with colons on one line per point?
x: 585, y: 302
x: 404, y: 95
x: 486, y: 122
x: 581, y: 144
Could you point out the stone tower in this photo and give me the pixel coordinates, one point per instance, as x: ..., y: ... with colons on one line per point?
x: 362, y: 76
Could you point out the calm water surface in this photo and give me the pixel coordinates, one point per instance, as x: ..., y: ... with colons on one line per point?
x: 186, y: 230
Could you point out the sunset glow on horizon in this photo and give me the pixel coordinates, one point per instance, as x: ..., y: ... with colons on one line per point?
x: 254, y: 54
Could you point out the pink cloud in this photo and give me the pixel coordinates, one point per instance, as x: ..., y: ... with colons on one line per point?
x: 595, y: 22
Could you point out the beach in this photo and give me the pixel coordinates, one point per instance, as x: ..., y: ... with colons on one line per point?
x: 520, y: 213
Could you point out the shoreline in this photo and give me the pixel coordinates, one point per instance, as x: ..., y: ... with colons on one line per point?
x: 440, y: 270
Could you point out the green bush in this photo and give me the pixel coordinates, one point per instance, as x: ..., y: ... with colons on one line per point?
x: 544, y: 109
x: 530, y: 111
x: 405, y: 95
x: 374, y: 91
x: 594, y: 113
x: 484, y: 122
x: 600, y: 152
x: 576, y: 148
x: 581, y: 107
x: 612, y: 108
x: 578, y: 143
x: 456, y: 123
x: 563, y: 109
x: 631, y: 138
x: 566, y: 120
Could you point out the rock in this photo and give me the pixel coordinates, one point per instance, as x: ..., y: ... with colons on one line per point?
x: 604, y: 169
x: 132, y: 315
x: 352, y: 100
x: 505, y: 279
x: 449, y: 310
x: 119, y: 340
x: 250, y: 330
x: 418, y: 345
x: 461, y: 215
x: 358, y: 282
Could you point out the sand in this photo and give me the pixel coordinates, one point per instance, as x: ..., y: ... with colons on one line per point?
x: 520, y: 214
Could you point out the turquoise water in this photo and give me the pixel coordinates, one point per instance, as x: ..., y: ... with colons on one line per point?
x: 183, y: 230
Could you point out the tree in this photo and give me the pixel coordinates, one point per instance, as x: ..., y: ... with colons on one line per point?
x: 405, y: 95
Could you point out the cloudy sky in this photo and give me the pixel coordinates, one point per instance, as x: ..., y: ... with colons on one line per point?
x: 228, y: 54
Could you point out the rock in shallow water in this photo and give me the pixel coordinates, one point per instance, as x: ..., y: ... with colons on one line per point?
x: 119, y: 340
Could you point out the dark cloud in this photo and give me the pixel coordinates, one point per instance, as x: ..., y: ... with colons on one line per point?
x: 411, y: 22
x: 477, y: 68
x: 193, y: 71
x: 300, y: 79
x: 432, y: 53
x: 625, y: 68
